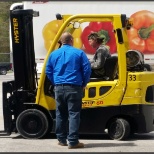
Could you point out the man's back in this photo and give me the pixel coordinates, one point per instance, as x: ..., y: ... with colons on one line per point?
x: 68, y: 66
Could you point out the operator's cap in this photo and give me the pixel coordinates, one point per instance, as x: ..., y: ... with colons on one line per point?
x: 94, y: 36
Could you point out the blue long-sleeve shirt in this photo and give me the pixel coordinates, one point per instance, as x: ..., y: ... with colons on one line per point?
x: 68, y: 65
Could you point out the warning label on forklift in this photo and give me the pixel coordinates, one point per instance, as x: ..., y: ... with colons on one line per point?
x: 91, y: 103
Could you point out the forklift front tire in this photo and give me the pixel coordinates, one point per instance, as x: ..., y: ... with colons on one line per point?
x: 32, y: 123
x: 119, y: 129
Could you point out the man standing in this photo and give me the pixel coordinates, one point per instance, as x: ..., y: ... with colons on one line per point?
x: 69, y: 70
x: 102, y: 52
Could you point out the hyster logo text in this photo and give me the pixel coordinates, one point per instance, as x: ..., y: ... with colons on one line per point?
x: 16, y: 30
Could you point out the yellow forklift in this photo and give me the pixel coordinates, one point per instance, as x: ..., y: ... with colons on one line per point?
x: 122, y: 102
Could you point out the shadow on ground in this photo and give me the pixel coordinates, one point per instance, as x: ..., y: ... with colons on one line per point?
x: 148, y: 136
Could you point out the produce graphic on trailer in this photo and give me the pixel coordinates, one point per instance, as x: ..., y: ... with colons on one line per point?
x: 46, y: 27
x: 141, y: 34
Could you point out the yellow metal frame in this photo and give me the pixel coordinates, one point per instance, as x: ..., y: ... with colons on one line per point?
x: 120, y: 92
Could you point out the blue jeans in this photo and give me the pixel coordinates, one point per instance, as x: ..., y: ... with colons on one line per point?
x: 68, y: 106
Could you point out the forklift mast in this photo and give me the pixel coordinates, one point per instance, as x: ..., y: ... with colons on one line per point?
x: 23, y: 49
x: 23, y: 88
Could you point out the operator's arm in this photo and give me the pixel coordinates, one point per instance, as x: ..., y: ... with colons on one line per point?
x: 99, y: 60
x: 86, y: 69
x: 49, y: 70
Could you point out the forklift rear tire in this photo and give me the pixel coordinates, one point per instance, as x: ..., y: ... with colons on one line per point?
x: 32, y: 123
x: 119, y: 129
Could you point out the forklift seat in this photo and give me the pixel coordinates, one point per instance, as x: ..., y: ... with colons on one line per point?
x: 111, y: 66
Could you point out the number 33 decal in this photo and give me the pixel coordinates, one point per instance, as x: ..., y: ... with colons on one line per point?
x: 132, y: 77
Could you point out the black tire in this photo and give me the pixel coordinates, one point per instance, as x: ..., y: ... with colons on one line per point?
x: 3, y: 71
x: 32, y: 123
x: 119, y: 129
x: 147, y: 67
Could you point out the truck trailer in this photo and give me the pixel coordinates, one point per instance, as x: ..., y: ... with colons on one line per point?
x: 48, y: 9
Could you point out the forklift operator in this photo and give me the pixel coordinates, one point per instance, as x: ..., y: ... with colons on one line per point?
x: 102, y: 53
